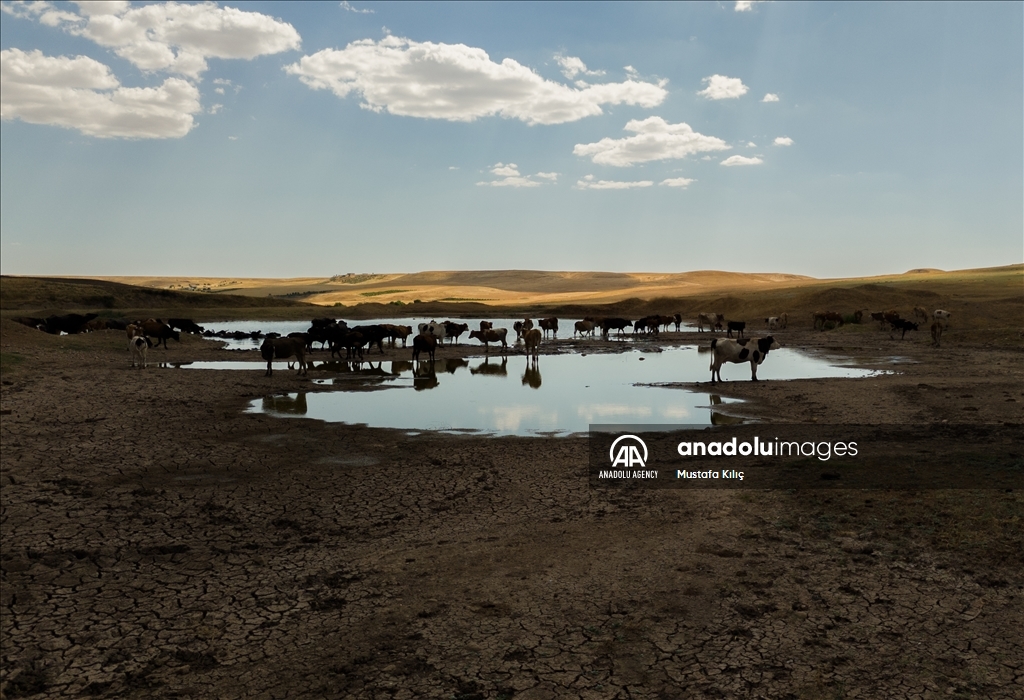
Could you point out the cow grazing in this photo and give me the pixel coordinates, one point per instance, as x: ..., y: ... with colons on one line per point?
x: 137, y: 346
x: 424, y: 342
x: 752, y: 350
x: 454, y: 330
x: 583, y: 328
x: 618, y: 324
x: 532, y: 339
x: 549, y: 324
x: 185, y: 324
x: 738, y: 326
x: 903, y: 326
x: 493, y: 335
x: 153, y: 328
x: 712, y: 321
x: 281, y: 349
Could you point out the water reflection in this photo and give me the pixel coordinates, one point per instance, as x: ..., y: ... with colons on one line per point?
x: 454, y: 363
x: 493, y: 368
x: 423, y: 376
x: 531, y: 375
x: 721, y: 418
x: 289, y: 404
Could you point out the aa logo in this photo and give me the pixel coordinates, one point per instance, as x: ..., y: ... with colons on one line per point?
x: 625, y: 452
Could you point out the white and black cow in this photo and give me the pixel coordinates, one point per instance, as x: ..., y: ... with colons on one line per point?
x: 752, y: 350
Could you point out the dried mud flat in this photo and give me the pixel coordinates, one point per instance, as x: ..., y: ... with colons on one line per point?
x: 158, y: 542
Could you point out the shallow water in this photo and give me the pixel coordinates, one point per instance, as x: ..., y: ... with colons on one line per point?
x: 565, y: 328
x: 560, y: 395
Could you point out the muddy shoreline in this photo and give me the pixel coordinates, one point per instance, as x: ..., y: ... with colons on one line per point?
x: 157, y: 541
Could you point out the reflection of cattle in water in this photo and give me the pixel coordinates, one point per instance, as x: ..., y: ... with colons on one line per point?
x: 423, y: 374
x: 399, y: 366
x: 453, y: 363
x: 486, y: 367
x: 281, y: 349
x: 286, y: 404
x: 531, y: 375
x: 721, y: 418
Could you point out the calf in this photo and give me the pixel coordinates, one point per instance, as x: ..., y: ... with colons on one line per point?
x: 137, y: 346
x: 493, y: 335
x: 281, y: 349
x: 753, y: 350
x: 737, y: 326
x: 424, y: 343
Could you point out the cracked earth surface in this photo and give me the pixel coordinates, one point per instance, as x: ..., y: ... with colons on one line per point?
x: 159, y: 542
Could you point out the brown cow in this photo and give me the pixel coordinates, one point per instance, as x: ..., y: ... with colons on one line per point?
x: 494, y: 335
x: 281, y: 349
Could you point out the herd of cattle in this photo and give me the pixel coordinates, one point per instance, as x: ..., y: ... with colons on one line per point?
x: 337, y: 335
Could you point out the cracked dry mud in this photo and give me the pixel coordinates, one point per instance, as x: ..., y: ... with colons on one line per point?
x: 158, y: 542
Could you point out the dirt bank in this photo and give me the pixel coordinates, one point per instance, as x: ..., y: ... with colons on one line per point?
x: 159, y: 542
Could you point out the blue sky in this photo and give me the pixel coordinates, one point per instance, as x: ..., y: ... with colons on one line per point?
x: 280, y: 140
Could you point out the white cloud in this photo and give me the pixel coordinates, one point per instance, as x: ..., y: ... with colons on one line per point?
x: 707, y: 158
x: 655, y: 139
x: 783, y: 141
x: 458, y: 83
x: 589, y: 183
x: 170, y: 37
x: 751, y: 144
x: 677, y: 182
x: 721, y: 87
x: 741, y: 160
x: 745, y: 5
x: 572, y: 66
x: 453, y: 167
x: 214, y: 108
x: 770, y: 97
x: 511, y: 177
x: 82, y: 93
x: 345, y: 6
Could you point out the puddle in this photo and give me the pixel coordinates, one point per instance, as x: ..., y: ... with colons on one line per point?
x: 565, y: 328
x: 559, y: 395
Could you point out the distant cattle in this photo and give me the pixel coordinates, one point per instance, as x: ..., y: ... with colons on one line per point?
x: 820, y: 318
x: 738, y: 326
x: 903, y: 327
x: 584, y: 328
x: 942, y: 316
x: 549, y: 325
x: 281, y: 349
x: 454, y: 330
x: 69, y: 323
x: 185, y: 324
x: 677, y: 319
x: 532, y: 339
x: 713, y: 321
x: 153, y: 328
x: 921, y: 313
x: 493, y: 335
x: 937, y: 328
x: 374, y: 335
x: 619, y: 324
x: 486, y: 325
x: 395, y: 332
x: 752, y: 350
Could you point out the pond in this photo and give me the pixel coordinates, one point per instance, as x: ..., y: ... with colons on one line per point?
x: 559, y: 395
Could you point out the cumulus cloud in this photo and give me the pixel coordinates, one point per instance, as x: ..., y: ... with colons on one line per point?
x: 677, y: 182
x: 770, y: 97
x: 509, y: 176
x: 458, y: 83
x: 721, y: 87
x: 82, y: 93
x: 169, y: 37
x: 589, y: 183
x: 783, y: 141
x: 573, y: 66
x: 751, y: 144
x: 745, y: 5
x: 655, y: 139
x: 741, y: 160
x: 348, y: 8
